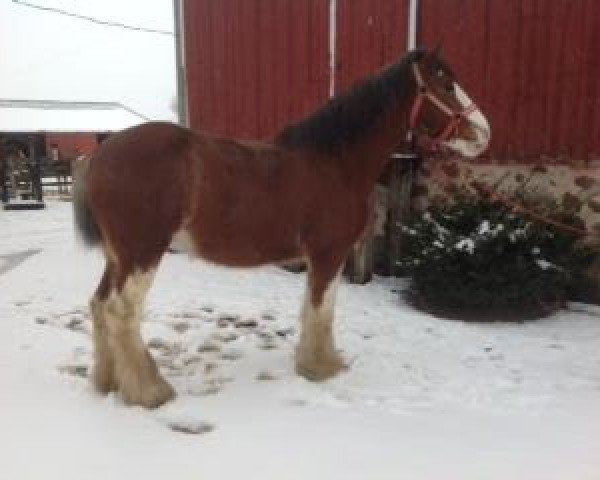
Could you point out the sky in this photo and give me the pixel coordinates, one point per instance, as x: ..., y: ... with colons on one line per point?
x: 47, y: 56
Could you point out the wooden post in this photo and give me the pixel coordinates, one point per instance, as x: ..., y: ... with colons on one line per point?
x: 36, y: 171
x: 359, y: 267
x: 3, y: 187
x: 402, y: 173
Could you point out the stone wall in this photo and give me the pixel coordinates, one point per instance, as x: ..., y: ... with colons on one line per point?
x: 575, y: 190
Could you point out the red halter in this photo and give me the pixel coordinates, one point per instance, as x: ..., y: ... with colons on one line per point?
x: 456, y: 117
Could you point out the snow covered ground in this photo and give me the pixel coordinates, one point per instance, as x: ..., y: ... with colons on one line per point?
x: 425, y: 398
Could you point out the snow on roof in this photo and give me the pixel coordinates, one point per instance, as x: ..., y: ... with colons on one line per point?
x: 60, y: 116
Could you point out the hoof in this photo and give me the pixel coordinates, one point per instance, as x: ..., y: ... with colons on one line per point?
x: 103, y: 379
x: 319, y: 369
x: 148, y: 395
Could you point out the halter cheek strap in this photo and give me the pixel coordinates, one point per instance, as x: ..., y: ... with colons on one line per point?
x: 456, y: 117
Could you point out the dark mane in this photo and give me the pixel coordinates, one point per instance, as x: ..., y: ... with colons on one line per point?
x: 347, y: 117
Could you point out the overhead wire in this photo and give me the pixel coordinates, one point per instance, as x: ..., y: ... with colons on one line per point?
x: 97, y: 21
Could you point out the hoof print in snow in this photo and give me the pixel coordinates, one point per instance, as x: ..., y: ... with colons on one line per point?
x: 22, y: 303
x: 285, y: 332
x: 208, y: 347
x: 249, y: 323
x: 76, y: 324
x: 226, y: 337
x: 41, y: 320
x: 207, y: 309
x: 232, y: 355
x: 226, y: 320
x: 181, y: 327
x: 191, y: 428
x: 192, y: 360
x: 267, y: 344
x: 265, y: 376
x: 158, y: 344
x: 74, y: 370
x: 265, y: 335
x: 210, y: 367
x: 268, y: 317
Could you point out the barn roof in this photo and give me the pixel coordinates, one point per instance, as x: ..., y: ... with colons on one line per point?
x: 61, y: 116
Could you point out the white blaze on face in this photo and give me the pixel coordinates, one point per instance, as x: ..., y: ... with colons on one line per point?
x: 481, y: 127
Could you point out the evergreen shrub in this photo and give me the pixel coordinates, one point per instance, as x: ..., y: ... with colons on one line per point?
x: 475, y: 259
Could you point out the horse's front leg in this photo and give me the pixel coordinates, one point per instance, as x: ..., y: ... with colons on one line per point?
x: 316, y: 355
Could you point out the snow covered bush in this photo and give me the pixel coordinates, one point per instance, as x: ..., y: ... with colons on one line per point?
x: 478, y: 260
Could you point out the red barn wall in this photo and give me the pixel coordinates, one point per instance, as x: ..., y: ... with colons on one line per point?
x: 370, y: 34
x: 71, y: 145
x: 255, y: 65
x: 532, y: 65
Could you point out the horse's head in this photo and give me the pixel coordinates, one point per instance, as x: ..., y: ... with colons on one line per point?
x: 442, y: 114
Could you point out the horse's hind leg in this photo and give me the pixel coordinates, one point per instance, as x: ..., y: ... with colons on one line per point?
x: 316, y: 355
x: 103, y: 374
x: 127, y: 365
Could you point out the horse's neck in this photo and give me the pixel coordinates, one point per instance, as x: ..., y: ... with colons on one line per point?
x: 366, y: 159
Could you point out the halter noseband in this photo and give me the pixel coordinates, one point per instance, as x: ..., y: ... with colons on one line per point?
x: 456, y: 117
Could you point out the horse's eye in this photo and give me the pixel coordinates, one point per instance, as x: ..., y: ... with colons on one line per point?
x: 440, y: 73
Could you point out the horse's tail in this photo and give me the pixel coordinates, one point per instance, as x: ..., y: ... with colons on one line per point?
x: 84, y: 221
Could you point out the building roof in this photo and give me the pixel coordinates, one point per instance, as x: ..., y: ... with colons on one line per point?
x: 59, y: 116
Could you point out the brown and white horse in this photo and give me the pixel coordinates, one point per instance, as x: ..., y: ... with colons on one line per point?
x: 245, y: 204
